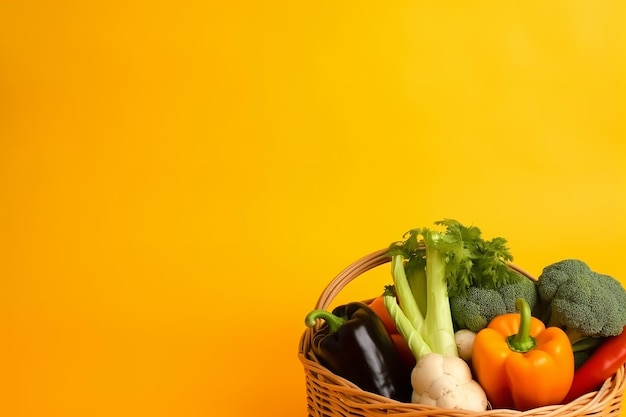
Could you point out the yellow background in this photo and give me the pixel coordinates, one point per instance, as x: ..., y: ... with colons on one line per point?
x: 180, y: 180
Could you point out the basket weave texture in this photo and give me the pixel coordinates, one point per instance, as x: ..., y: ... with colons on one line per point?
x: 329, y: 395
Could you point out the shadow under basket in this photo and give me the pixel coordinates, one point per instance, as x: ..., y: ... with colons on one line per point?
x: 329, y: 395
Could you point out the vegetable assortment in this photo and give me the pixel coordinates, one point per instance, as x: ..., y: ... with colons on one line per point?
x: 440, y: 377
x: 459, y: 327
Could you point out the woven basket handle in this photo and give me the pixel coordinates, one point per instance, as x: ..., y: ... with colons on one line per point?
x: 363, y: 265
x: 351, y: 272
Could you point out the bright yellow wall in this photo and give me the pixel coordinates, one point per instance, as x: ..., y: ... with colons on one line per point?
x: 180, y: 180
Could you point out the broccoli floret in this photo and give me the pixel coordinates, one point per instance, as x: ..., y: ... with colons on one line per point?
x: 476, y: 308
x: 581, y: 301
x: 479, y: 305
x: 522, y: 288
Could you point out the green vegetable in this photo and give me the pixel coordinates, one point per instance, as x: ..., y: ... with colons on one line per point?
x: 478, y: 306
x: 428, y: 268
x: 462, y: 260
x: 451, y: 375
x: 586, y: 304
x: 522, y: 287
x: 430, y: 330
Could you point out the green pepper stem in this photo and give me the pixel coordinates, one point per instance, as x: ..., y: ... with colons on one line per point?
x: 334, y: 322
x: 522, y: 341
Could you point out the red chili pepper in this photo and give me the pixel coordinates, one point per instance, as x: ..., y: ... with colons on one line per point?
x: 603, y: 364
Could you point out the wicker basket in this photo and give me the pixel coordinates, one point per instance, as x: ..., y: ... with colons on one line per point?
x: 329, y: 395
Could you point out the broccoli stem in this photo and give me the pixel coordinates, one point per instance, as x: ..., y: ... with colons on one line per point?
x: 586, y: 343
x: 334, y: 322
x: 574, y: 335
x: 522, y: 341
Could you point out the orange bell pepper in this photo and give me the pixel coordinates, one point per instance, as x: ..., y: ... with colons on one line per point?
x: 520, y: 364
